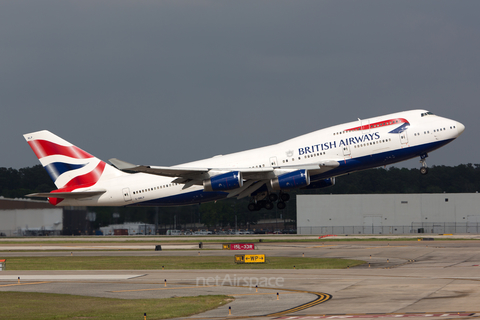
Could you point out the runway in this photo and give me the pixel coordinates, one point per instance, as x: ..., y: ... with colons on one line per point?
x: 434, y: 279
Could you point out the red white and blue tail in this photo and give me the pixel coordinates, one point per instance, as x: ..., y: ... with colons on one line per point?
x: 70, y: 167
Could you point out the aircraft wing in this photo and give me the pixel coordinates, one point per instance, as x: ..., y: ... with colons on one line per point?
x: 191, y: 176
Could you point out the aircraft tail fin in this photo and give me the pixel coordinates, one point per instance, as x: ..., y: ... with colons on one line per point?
x: 69, y: 167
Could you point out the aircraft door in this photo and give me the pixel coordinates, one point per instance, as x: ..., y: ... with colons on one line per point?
x: 404, y: 137
x: 273, y: 161
x: 346, y: 151
x: 365, y: 126
x: 126, y: 194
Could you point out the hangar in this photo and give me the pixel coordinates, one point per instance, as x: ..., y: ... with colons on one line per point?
x: 20, y: 217
x: 388, y: 213
x: 27, y: 217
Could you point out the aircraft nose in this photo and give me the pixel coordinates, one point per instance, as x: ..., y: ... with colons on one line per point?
x: 460, y: 128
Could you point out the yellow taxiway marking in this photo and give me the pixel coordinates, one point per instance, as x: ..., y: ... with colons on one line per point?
x: 22, y: 284
x: 321, y: 297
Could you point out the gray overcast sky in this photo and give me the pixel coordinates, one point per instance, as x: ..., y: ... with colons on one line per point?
x: 166, y: 82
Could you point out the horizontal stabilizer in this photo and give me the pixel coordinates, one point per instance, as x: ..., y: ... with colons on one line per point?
x: 66, y: 195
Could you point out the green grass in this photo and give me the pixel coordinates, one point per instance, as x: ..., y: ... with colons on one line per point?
x: 43, y: 306
x: 170, y: 263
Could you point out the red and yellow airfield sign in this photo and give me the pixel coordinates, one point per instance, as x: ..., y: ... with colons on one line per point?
x: 238, y: 246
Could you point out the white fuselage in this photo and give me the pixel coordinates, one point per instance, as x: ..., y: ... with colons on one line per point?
x: 356, y: 145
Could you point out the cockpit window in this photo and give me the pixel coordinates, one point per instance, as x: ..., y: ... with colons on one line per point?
x: 427, y: 113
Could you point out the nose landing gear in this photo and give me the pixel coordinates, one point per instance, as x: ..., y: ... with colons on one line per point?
x: 424, y: 168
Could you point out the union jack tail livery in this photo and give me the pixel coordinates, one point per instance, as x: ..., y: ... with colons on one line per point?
x: 70, y: 167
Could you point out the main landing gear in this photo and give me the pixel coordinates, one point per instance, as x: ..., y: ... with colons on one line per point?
x: 424, y: 168
x: 268, y: 202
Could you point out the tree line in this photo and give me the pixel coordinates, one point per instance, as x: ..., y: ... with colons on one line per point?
x: 464, y: 178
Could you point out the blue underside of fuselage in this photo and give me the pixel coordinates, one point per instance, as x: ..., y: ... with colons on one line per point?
x: 346, y: 166
x: 380, y: 159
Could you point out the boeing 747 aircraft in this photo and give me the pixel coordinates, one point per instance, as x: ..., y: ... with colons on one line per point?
x: 264, y: 174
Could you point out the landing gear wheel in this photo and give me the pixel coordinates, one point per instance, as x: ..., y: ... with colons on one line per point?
x: 424, y: 168
x: 281, y: 205
x: 284, y: 196
x: 273, y: 197
x: 251, y: 206
x: 269, y: 206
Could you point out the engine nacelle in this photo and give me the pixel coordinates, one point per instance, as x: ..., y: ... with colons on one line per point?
x: 291, y: 180
x: 222, y: 182
x: 321, y: 184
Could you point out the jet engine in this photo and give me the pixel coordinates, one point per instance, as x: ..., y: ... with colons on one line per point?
x: 321, y: 183
x: 296, y: 179
x: 222, y: 182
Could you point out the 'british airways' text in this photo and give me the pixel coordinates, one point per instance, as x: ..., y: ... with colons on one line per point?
x: 333, y: 144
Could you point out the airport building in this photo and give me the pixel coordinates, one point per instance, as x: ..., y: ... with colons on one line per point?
x: 27, y: 217
x: 20, y: 217
x: 388, y: 213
